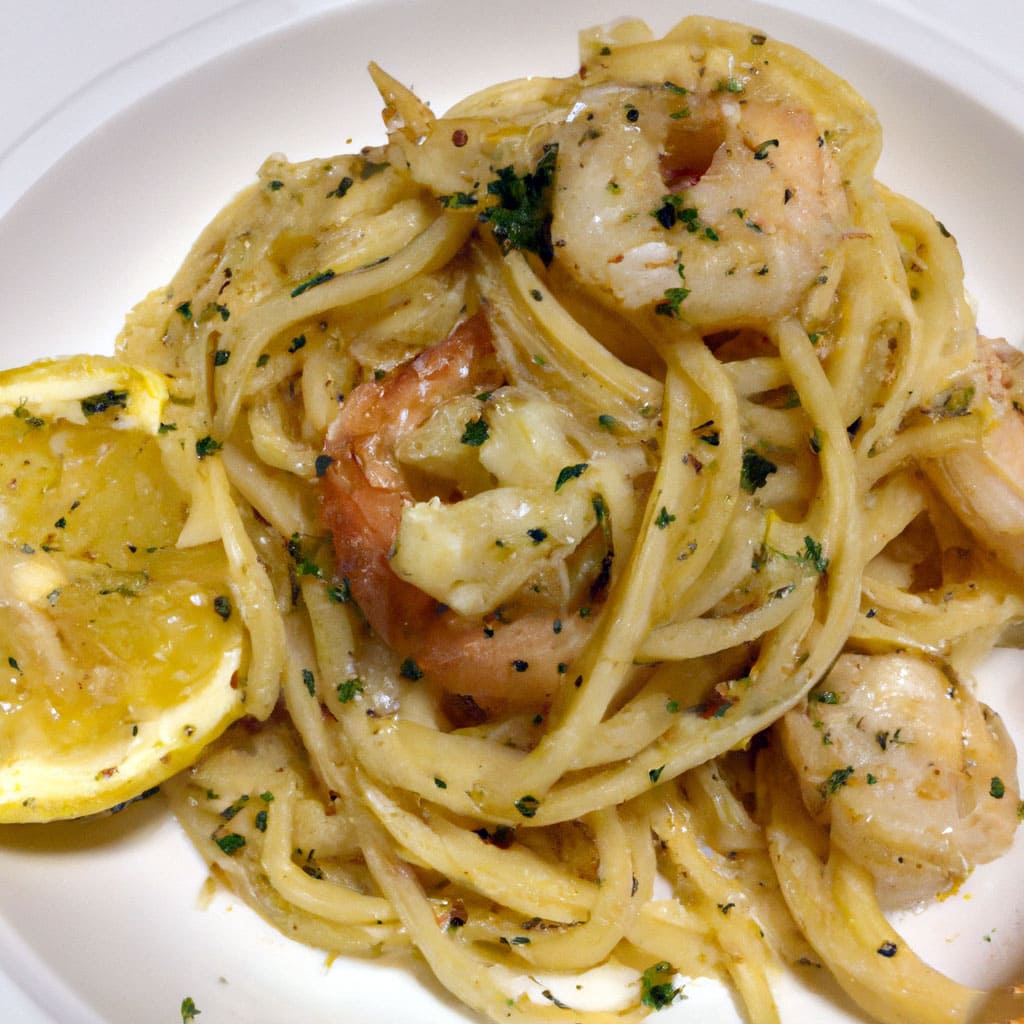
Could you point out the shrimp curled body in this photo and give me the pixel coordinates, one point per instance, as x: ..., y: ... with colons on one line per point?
x: 984, y: 482
x: 899, y: 764
x: 728, y: 207
x: 512, y: 656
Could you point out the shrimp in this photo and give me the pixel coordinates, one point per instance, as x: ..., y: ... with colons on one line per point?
x: 983, y: 482
x: 723, y: 210
x: 512, y: 656
x: 915, y: 778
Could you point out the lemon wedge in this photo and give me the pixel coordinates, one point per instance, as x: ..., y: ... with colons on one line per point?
x: 119, y: 651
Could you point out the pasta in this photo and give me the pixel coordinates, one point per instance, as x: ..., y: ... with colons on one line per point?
x: 609, y: 470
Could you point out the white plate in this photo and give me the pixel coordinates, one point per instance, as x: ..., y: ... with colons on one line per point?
x: 104, y: 921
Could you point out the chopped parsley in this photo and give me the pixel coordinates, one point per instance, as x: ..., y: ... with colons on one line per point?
x: 207, y: 446
x: 309, y: 681
x: 568, y: 473
x: 348, y: 690
x: 458, y: 200
x: 230, y: 843
x: 674, y: 297
x: 664, y: 518
x: 105, y: 400
x: 761, y: 152
x: 811, y: 555
x: 321, y: 464
x: 521, y: 218
x: 189, y: 1011
x: 756, y: 470
x: 222, y: 606
x: 836, y: 781
x: 655, y: 991
x: 476, y: 433
x: 997, y: 788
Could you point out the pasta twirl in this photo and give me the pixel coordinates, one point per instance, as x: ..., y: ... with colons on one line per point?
x: 570, y: 448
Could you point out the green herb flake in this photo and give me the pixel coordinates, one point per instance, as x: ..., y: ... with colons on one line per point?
x: 321, y: 277
x: 664, y: 518
x: 321, y: 464
x: 348, y: 690
x: 222, y: 606
x: 296, y: 343
x: 458, y: 200
x: 440, y: 783
x: 887, y: 949
x: 761, y: 153
x: 756, y: 470
x: 521, y: 218
x: 537, y: 535
x: 836, y: 781
x: 309, y: 681
x: 207, y: 446
x: 655, y: 773
x: 221, y: 357
x: 568, y: 473
x: 230, y: 843
x: 655, y: 991
x: 827, y: 697
x: 527, y: 806
x: 476, y: 433
x: 184, y: 311
x: 104, y: 401
x: 812, y: 556
x: 189, y: 1011
x: 997, y: 788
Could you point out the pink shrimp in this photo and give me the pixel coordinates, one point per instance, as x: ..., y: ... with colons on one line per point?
x: 984, y: 482
x: 511, y: 658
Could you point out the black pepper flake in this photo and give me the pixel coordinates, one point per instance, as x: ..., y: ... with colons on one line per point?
x: 520, y: 665
x: 887, y: 949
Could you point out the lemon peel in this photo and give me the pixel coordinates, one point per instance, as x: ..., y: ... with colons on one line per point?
x: 121, y: 654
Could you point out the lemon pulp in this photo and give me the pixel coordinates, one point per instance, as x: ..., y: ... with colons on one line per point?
x: 119, y: 653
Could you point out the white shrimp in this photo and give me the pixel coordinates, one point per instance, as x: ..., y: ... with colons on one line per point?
x: 915, y: 778
x: 719, y: 208
x: 983, y: 482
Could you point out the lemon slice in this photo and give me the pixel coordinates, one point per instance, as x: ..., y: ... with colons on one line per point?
x: 119, y: 652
